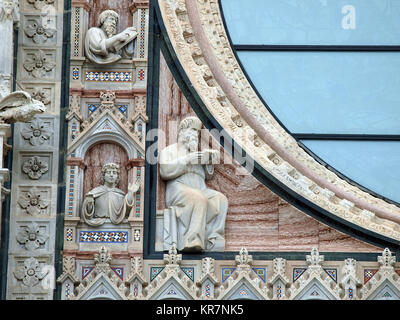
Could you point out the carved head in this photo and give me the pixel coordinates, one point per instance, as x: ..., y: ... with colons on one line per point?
x: 188, y: 132
x: 110, y: 174
x: 108, y: 21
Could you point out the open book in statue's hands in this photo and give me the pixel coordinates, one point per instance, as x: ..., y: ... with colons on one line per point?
x: 125, y: 37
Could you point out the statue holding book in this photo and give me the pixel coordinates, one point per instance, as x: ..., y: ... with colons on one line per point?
x: 103, y: 45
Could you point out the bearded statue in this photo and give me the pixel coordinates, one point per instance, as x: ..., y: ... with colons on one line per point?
x: 195, y: 216
x: 104, y: 46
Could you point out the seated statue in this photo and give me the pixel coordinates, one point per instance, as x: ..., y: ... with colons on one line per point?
x: 103, y: 45
x: 195, y: 216
x: 107, y: 202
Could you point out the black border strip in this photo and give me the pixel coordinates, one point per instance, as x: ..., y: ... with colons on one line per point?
x: 357, y: 137
x: 264, y: 177
x: 64, y: 105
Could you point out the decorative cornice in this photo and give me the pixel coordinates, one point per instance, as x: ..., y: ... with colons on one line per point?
x: 195, y: 30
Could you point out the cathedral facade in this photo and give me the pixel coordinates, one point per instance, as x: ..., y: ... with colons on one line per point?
x: 140, y: 162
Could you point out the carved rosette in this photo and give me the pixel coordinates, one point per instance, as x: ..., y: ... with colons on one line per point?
x: 32, y: 203
x: 40, y: 95
x: 30, y: 273
x: 37, y: 132
x: 32, y: 237
x: 39, y: 64
x: 38, y: 31
x: 35, y: 168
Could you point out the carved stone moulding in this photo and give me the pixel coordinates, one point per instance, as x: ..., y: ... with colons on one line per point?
x: 39, y: 64
x: 34, y: 201
x: 199, y: 40
x: 40, y: 30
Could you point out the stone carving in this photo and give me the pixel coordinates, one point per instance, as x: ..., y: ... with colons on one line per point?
x: 5, y: 85
x: 32, y: 237
x: 19, y: 106
x: 37, y: 132
x: 103, y: 45
x: 39, y: 64
x: 9, y: 10
x: 195, y: 215
x: 106, y: 201
x: 39, y: 4
x: 35, y: 168
x: 32, y: 203
x: 30, y: 273
x: 41, y: 95
x: 38, y: 31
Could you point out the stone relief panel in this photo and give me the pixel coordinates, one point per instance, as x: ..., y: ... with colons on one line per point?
x: 40, y: 29
x: 32, y: 236
x: 39, y: 64
x: 38, y: 133
x: 36, y: 167
x: 34, y: 202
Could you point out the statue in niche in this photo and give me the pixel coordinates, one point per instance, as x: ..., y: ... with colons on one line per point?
x: 194, y: 219
x: 106, y: 202
x: 104, y: 46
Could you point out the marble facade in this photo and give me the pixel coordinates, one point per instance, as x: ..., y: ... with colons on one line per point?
x: 96, y: 113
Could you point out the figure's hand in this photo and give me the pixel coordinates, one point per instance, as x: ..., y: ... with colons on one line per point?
x: 214, y: 155
x: 123, y: 36
x: 134, y: 187
x: 90, y: 203
x: 200, y: 157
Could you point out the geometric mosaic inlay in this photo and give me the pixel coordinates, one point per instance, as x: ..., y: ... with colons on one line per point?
x: 103, y: 236
x: 332, y: 273
x: 108, y: 76
x: 119, y: 272
x: 261, y: 273
x: 154, y: 272
x: 189, y: 271
x: 297, y: 272
x: 226, y: 273
x: 368, y: 274
x: 85, y: 271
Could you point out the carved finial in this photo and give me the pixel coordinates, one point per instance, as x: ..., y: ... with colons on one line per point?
x: 314, y: 259
x: 102, y: 259
x: 386, y: 260
x: 244, y: 258
x: 279, y: 266
x: 107, y: 99
x: 172, y: 258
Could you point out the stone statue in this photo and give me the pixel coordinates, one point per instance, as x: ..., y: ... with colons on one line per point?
x: 195, y: 216
x: 19, y: 106
x: 104, y: 46
x: 106, y: 201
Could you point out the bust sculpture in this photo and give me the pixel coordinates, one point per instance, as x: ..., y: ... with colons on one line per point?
x: 195, y: 216
x: 106, y: 202
x: 103, y: 45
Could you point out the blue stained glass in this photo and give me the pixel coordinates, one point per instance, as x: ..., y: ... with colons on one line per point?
x: 313, y: 22
x: 373, y: 164
x: 329, y: 92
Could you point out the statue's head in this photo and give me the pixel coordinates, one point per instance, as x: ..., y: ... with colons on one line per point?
x: 108, y: 21
x: 188, y: 132
x: 110, y: 174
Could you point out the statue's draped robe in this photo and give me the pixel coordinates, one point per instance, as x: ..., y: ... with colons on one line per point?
x: 109, y: 203
x: 200, y: 212
x: 96, y: 50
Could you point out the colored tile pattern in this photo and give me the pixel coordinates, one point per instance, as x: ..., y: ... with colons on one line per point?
x: 109, y: 76
x: 278, y: 292
x: 138, y: 194
x: 69, y: 234
x: 261, y: 273
x: 103, y: 236
x: 86, y: 270
x: 71, y: 190
x: 119, y: 271
x: 136, y: 235
x: 207, y: 291
x: 189, y: 271
x: 368, y: 274
x: 77, y: 19
x: 297, y: 272
x: 332, y: 273
x: 154, y: 272
x: 141, y: 74
x: 226, y: 273
x: 351, y: 293
x: 142, y: 34
x: 75, y: 73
